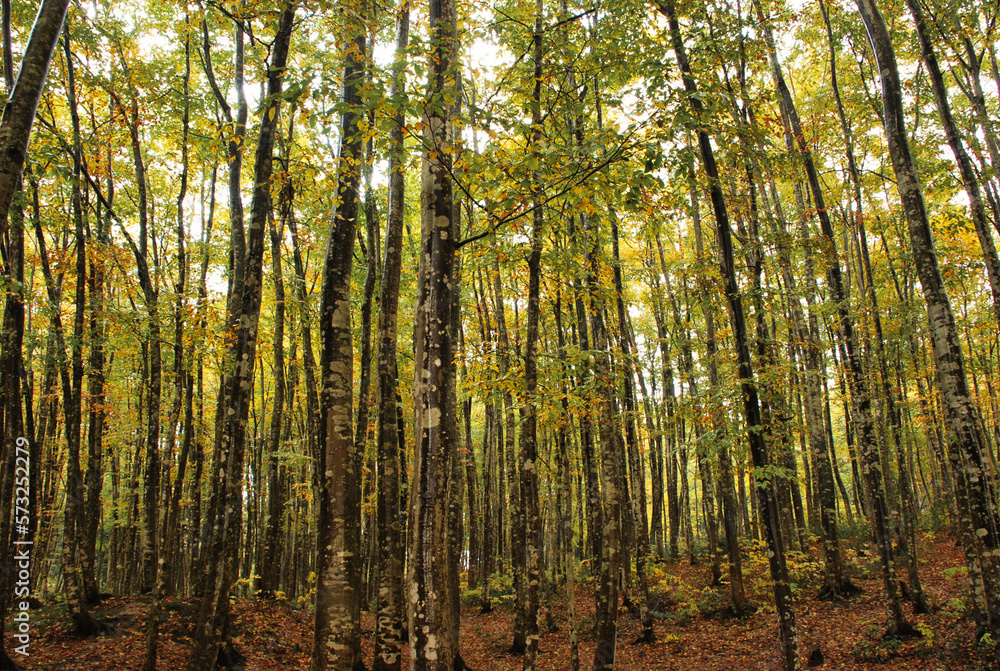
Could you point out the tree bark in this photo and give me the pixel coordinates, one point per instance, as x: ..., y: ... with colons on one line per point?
x: 389, y: 622
x: 528, y: 462
x: 165, y: 551
x: 276, y: 493
x: 430, y: 615
x: 736, y: 587
x: 336, y: 637
x: 612, y: 470
x: 19, y: 112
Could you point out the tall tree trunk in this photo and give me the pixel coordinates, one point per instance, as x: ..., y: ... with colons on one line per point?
x: 276, y: 494
x: 592, y: 482
x: 94, y: 481
x: 336, y: 637
x: 612, y: 470
x: 473, y: 516
x: 637, y: 478
x: 565, y: 484
x: 516, y: 527
x: 490, y: 527
x: 19, y: 112
x: 430, y: 615
x: 84, y: 624
x: 198, y: 453
x: 528, y: 462
x: 835, y: 583
x: 860, y: 394
x: 74, y: 529
x: 736, y: 587
x: 18, y: 448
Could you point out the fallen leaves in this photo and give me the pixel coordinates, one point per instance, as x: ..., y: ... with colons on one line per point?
x: 276, y: 636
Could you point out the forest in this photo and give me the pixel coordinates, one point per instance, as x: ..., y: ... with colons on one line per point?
x: 356, y: 334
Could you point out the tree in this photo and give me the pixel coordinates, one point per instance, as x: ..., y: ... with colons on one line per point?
x: 430, y: 616
x: 389, y: 627
x: 336, y: 637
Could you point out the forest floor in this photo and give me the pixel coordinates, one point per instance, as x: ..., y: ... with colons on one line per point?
x: 692, y: 629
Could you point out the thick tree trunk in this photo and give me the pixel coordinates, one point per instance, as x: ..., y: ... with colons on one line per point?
x: 430, y: 615
x: 336, y: 637
x: 20, y: 444
x: 19, y: 112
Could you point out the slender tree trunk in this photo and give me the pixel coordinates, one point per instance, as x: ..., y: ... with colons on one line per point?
x: 860, y: 395
x: 595, y: 512
x: 516, y: 544
x: 473, y: 517
x: 612, y: 470
x: 490, y: 527
x: 389, y: 622
x: 736, y: 587
x: 668, y: 428
x: 164, y: 552
x: 835, y: 583
x: 565, y: 484
x: 637, y: 478
x: 94, y: 481
x: 528, y: 462
x: 276, y: 494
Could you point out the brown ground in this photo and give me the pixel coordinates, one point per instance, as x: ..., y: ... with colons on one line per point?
x: 276, y: 636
